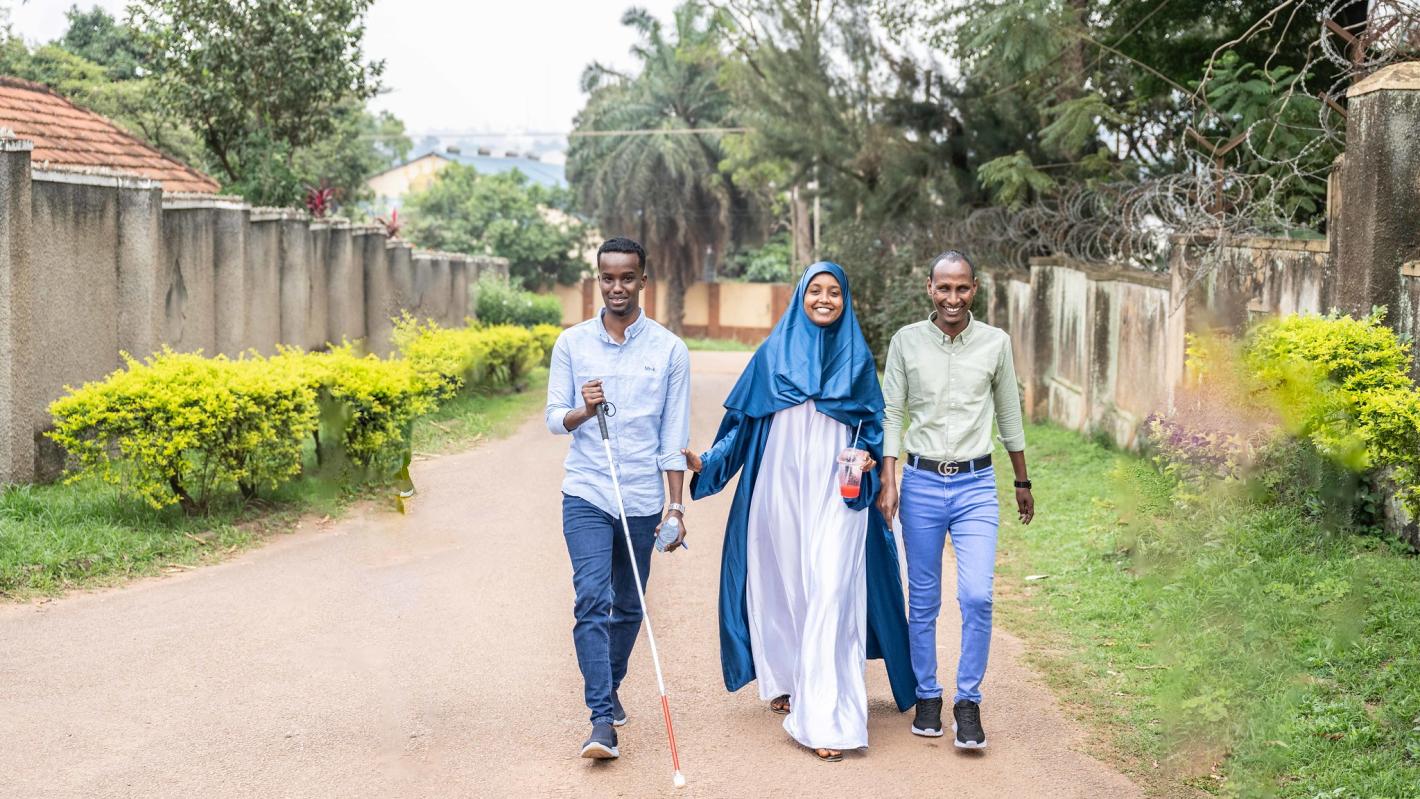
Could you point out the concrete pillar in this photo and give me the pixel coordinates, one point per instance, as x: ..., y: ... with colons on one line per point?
x: 713, y: 317
x: 16, y: 309
x: 397, y: 285
x: 230, y: 222
x: 422, y: 283
x: 263, y: 280
x: 142, y: 288
x: 439, y: 296
x: 459, y: 306
x: 1041, y: 352
x: 317, y: 258
x: 372, y: 248
x: 346, y: 285
x: 188, y: 274
x: 1378, y: 225
x: 1406, y: 319
x: 295, y: 265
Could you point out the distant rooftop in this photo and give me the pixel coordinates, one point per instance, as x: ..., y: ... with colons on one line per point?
x: 66, y: 135
x: 488, y: 163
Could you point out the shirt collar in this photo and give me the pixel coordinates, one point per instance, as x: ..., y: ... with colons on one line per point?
x: 964, y: 336
x: 632, y: 331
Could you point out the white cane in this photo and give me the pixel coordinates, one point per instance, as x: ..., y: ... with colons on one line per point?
x: 677, y: 778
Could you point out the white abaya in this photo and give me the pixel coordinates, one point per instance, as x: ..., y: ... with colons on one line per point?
x: 806, y: 584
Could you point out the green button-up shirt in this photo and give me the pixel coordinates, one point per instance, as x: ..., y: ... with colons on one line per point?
x: 950, y: 389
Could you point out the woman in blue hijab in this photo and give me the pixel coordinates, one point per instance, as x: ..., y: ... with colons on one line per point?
x: 809, y: 583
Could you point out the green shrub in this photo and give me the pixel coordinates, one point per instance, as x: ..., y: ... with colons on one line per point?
x: 453, y: 360
x: 367, y: 405
x: 177, y: 428
x: 546, y: 335
x: 770, y: 263
x: 501, y: 303
x: 181, y: 428
x: 445, y: 360
x: 513, y: 352
x: 1344, y: 385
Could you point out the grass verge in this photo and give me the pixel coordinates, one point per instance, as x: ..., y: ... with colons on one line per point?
x: 1224, y: 645
x: 466, y: 420
x: 60, y: 537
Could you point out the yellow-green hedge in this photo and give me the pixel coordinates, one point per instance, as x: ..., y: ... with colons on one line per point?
x: 177, y: 428
x: 184, y: 428
x: 1344, y: 384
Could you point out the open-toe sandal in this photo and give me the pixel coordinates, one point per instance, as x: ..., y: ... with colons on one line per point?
x: 780, y: 705
x: 828, y: 755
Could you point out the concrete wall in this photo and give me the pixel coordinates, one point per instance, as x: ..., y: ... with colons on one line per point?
x: 95, y: 264
x: 1087, y: 340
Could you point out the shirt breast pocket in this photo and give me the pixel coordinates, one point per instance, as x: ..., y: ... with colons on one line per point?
x: 973, y: 381
x: 645, y: 390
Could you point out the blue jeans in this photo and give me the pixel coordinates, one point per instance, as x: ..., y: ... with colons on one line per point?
x: 965, y: 507
x: 607, y: 610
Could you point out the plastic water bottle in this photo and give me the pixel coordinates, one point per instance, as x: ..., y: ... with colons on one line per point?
x: 670, y: 531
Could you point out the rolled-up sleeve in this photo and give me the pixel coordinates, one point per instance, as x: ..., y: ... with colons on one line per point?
x: 894, y: 399
x: 561, y: 394
x: 1006, y: 393
x: 675, y: 419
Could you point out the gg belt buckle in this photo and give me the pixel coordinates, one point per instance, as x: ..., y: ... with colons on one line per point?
x: 946, y: 469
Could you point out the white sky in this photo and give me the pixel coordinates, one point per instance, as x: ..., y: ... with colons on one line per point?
x: 479, y: 65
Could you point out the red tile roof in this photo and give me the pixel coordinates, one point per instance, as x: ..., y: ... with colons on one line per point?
x: 67, y: 135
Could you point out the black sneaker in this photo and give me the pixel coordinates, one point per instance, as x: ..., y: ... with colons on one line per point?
x: 618, y: 713
x: 968, y: 725
x: 602, y: 744
x: 929, y: 718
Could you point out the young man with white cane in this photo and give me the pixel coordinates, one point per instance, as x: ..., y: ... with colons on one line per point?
x: 641, y: 371
x: 951, y: 376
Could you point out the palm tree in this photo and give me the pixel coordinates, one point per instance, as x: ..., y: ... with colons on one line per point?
x: 666, y: 189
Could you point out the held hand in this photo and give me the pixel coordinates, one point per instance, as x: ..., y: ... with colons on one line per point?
x: 692, y: 460
x: 592, y: 396
x: 674, y: 545
x: 1025, y: 505
x: 869, y: 464
x: 887, y: 498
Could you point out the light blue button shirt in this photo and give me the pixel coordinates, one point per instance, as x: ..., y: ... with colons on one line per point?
x: 647, y: 380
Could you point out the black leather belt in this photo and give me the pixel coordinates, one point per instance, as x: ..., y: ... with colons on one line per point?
x: 949, y: 468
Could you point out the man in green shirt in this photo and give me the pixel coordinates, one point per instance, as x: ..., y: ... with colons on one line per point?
x: 951, y: 375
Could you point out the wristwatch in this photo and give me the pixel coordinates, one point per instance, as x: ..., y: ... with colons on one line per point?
x: 675, y: 506
x: 1023, y: 484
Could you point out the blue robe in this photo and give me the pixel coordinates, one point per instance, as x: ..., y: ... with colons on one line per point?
x: 800, y: 361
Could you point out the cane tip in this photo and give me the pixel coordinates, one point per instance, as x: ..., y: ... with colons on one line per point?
x: 679, y: 780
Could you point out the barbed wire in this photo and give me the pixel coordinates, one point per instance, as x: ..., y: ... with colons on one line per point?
x: 1209, y: 201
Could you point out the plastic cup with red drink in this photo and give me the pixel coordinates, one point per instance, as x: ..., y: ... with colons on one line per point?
x: 850, y: 472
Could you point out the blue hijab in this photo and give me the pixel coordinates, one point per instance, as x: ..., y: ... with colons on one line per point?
x: 801, y: 361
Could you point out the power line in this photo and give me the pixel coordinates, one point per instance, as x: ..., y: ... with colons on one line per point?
x: 462, y: 134
x: 656, y: 131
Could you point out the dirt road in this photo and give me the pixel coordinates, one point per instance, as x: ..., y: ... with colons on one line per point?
x: 430, y: 655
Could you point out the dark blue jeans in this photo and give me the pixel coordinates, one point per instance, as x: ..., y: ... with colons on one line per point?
x: 607, y: 610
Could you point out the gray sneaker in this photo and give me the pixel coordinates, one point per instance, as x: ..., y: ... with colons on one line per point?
x: 618, y: 713
x: 602, y: 743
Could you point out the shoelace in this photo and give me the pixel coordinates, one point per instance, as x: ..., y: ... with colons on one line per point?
x: 971, y: 714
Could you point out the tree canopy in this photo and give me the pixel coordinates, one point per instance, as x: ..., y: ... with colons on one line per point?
x: 259, y: 80
x: 503, y: 214
x: 663, y: 186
